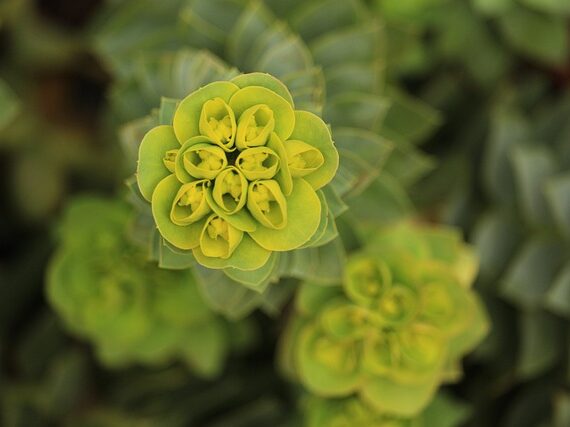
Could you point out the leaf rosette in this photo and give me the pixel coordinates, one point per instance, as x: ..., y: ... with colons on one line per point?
x: 398, y: 326
x: 237, y: 174
x: 105, y: 290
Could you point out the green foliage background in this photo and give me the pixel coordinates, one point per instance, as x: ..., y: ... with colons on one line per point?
x: 443, y: 111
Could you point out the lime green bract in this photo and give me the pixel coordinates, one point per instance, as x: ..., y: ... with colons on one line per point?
x: 398, y: 326
x: 235, y: 177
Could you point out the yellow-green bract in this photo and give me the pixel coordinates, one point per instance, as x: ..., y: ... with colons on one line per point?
x: 132, y: 311
x: 235, y: 176
x: 397, y: 327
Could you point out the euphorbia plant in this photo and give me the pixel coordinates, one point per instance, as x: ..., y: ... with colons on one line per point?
x: 237, y: 175
x: 105, y: 290
x: 397, y: 327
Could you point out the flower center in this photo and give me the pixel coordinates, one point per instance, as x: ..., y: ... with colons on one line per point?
x: 253, y: 130
x: 218, y: 227
x: 209, y: 161
x: 254, y: 162
x: 192, y: 197
x: 232, y: 185
x: 169, y: 159
x: 263, y: 197
x: 222, y: 128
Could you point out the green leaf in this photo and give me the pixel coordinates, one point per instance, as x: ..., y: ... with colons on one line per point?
x: 323, y: 264
x: 361, y: 43
x: 167, y: 109
x: 314, y: 19
x: 172, y: 259
x: 130, y: 136
x: 369, y: 147
x: 532, y: 167
x: 355, y: 77
x: 255, y: 20
x: 508, y: 129
x: 555, y: 7
x: 445, y: 411
x: 257, y: 280
x: 542, y: 37
x: 205, y: 347
x: 494, y: 7
x: 496, y: 238
x: 264, y: 80
x: 541, y: 343
x: 409, y: 119
x: 558, y: 296
x: 558, y: 198
x: 532, y: 272
x: 357, y: 110
x: 407, y: 164
x: 224, y: 295
x: 384, y: 201
x: 9, y: 105
x: 335, y: 204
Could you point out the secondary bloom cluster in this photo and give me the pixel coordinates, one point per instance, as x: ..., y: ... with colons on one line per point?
x: 235, y: 175
x: 398, y: 326
x: 132, y: 311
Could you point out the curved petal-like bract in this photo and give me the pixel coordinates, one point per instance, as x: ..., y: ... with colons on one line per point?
x: 311, y: 129
x: 156, y: 153
x: 230, y: 190
x: 186, y: 120
x: 255, y: 125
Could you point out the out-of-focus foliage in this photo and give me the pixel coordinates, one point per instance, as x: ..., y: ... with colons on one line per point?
x: 496, y: 70
x: 55, y: 135
x: 106, y: 290
x: 396, y: 329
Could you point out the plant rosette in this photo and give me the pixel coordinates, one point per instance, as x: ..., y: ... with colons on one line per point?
x: 105, y: 290
x: 237, y: 175
x: 396, y: 328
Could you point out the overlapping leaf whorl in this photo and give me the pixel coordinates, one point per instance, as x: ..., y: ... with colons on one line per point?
x: 404, y: 318
x: 106, y: 290
x: 236, y: 175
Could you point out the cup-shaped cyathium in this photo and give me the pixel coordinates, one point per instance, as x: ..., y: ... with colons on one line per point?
x: 236, y: 175
x: 303, y: 158
x: 219, y: 239
x: 396, y: 328
x: 218, y: 122
x: 254, y: 127
x: 190, y: 203
x: 268, y: 204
